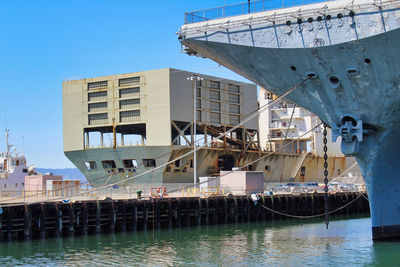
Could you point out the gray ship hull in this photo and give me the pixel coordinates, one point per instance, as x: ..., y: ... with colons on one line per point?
x: 277, y: 167
x: 358, y: 80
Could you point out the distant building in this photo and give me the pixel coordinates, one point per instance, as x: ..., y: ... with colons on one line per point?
x: 284, y: 122
x: 120, y: 125
x: 38, y: 182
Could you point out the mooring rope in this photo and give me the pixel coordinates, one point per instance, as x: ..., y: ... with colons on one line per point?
x: 313, y: 216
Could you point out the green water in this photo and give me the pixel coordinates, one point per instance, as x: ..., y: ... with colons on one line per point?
x: 280, y: 243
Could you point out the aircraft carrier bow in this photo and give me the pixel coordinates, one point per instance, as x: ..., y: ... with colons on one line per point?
x: 348, y: 50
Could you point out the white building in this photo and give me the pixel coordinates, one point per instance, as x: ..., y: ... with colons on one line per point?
x: 285, y: 126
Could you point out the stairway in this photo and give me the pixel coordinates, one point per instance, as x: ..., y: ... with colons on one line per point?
x: 298, y: 165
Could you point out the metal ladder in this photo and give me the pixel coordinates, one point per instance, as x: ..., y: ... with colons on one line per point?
x: 298, y: 165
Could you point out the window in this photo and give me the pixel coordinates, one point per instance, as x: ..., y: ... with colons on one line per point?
x: 215, y: 85
x: 108, y: 164
x: 90, y: 165
x: 198, y: 103
x: 198, y: 115
x: 216, y: 106
x: 129, y: 81
x: 132, y: 115
x: 177, y: 163
x: 214, y: 95
x: 102, y: 106
x: 129, y: 92
x: 234, y: 98
x: 24, y: 170
x: 129, y: 163
x: 97, y: 85
x: 267, y: 167
x: 130, y: 103
x: 303, y: 171
x: 96, y: 96
x: 234, y: 109
x: 198, y: 92
x: 268, y: 95
x: 233, y: 88
x: 121, y: 170
x: 100, y: 118
x: 234, y: 119
x: 215, y: 117
x: 149, y: 163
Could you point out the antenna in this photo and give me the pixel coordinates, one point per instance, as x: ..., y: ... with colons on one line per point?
x: 8, y: 146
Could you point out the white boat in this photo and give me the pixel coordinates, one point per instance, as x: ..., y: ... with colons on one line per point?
x: 13, y: 169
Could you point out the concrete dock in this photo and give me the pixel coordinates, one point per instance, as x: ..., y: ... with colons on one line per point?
x: 56, y: 219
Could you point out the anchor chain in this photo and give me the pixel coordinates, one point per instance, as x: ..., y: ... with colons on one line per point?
x: 326, y: 176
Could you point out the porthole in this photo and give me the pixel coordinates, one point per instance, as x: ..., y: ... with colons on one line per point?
x: 335, y: 82
x: 299, y: 21
x: 288, y: 23
x: 293, y: 68
x: 351, y: 13
x: 310, y: 20
x: 328, y: 17
x: 367, y: 60
x: 319, y: 18
x: 312, y: 75
x: 340, y: 15
x: 352, y: 71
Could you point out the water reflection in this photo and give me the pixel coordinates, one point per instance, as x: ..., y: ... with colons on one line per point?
x: 286, y: 242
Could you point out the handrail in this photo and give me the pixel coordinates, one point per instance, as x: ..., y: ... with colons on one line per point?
x: 243, y: 9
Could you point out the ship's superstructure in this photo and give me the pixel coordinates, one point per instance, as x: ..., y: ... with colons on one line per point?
x: 342, y: 56
x: 286, y: 126
x: 124, y: 125
x: 13, y: 169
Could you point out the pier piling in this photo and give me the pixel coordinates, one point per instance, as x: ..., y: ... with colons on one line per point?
x: 54, y: 219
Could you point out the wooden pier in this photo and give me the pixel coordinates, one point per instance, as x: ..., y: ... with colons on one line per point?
x: 56, y: 219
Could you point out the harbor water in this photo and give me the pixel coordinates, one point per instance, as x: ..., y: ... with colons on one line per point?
x: 286, y: 242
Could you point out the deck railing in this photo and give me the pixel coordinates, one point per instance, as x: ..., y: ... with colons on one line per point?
x: 243, y: 9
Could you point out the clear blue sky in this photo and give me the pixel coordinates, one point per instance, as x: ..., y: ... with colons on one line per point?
x: 43, y: 43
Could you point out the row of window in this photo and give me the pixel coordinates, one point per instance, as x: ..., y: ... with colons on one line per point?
x: 217, y: 86
x: 127, y: 163
x: 121, y: 83
x: 215, y: 95
x: 16, y: 185
x: 215, y: 117
x: 123, y: 93
x: 124, y: 116
x: 123, y: 104
x: 216, y: 106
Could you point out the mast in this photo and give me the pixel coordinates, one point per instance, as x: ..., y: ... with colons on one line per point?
x: 8, y: 145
